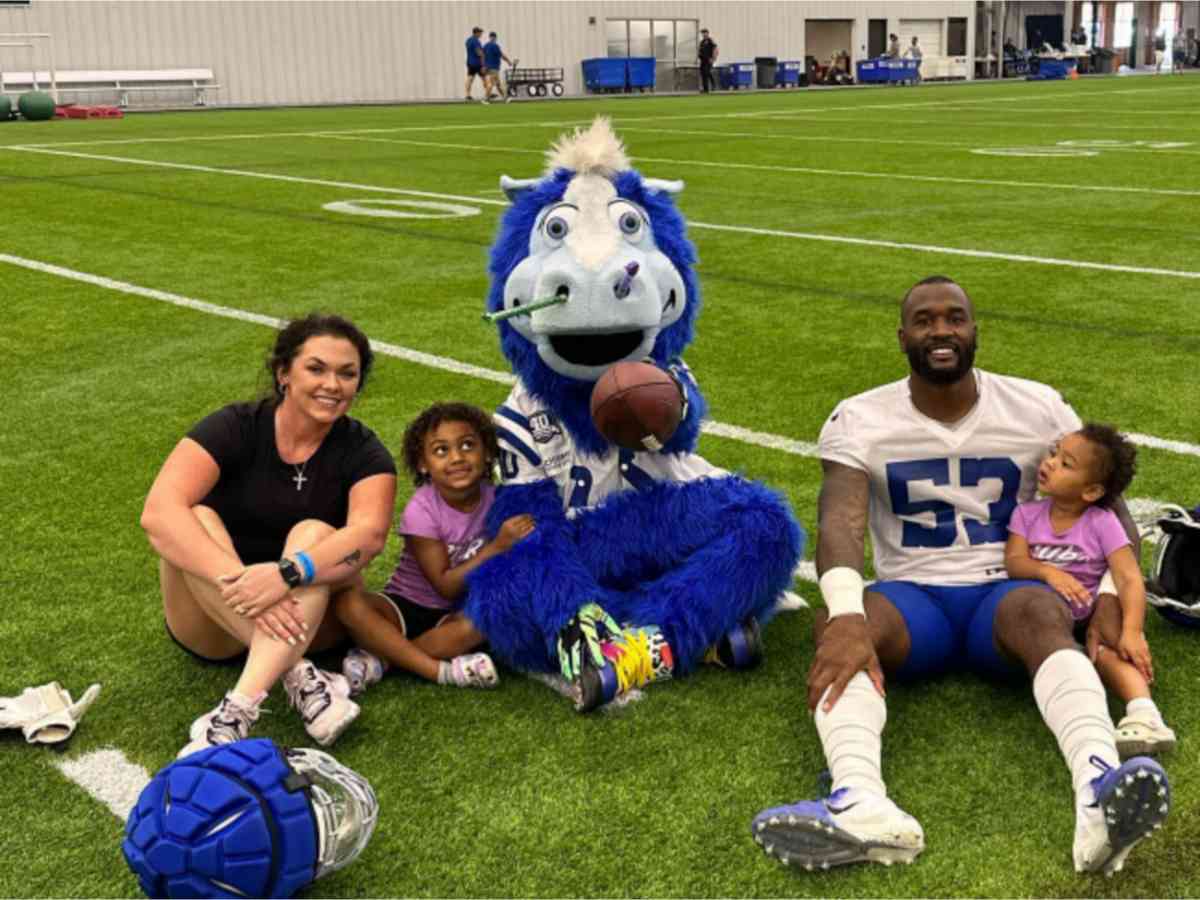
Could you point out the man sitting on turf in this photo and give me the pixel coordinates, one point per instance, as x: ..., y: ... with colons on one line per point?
x: 936, y: 463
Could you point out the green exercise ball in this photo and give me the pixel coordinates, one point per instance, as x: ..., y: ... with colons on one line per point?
x: 5, y: 108
x: 36, y: 106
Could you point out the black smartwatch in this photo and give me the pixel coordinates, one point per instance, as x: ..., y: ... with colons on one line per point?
x: 291, y: 573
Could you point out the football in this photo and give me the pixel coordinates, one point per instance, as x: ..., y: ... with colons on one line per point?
x: 637, y: 405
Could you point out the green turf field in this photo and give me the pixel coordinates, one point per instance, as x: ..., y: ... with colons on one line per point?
x: 1085, y: 270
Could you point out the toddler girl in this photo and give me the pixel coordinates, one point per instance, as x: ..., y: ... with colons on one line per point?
x: 414, y: 623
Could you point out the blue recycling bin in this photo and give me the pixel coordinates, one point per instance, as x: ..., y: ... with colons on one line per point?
x: 640, y: 72
x: 885, y: 70
x: 1049, y: 69
x: 604, y: 74
x: 736, y: 75
x: 788, y: 73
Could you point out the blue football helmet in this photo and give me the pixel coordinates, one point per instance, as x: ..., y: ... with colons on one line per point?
x: 247, y: 819
x: 1174, y: 586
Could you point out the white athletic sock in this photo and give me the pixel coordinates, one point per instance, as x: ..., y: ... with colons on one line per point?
x: 1071, y: 699
x: 445, y: 672
x: 852, y: 735
x: 1144, y: 705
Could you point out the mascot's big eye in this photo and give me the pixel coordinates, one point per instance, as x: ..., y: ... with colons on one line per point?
x: 556, y: 228
x: 626, y: 217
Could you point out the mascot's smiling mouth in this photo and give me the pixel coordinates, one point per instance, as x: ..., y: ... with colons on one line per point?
x: 596, y: 349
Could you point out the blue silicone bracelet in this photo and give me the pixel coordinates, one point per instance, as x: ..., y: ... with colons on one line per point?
x: 309, y: 569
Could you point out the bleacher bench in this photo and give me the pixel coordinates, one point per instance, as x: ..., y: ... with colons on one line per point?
x: 122, y: 82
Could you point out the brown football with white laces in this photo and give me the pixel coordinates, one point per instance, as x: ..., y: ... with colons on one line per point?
x: 636, y: 405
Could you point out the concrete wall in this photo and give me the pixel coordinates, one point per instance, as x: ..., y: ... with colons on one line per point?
x: 345, y: 51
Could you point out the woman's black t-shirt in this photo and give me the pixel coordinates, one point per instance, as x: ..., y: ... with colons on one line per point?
x: 260, y: 498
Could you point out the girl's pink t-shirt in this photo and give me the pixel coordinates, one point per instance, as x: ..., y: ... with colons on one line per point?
x: 427, y: 515
x: 1082, y: 550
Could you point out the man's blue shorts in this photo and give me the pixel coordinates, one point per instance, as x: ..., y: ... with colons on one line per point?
x: 951, y: 628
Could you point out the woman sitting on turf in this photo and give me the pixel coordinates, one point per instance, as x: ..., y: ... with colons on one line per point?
x: 260, y: 514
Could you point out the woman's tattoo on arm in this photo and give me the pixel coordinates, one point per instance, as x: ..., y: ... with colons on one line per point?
x: 352, y: 558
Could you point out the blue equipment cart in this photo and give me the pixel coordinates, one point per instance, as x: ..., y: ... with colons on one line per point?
x: 788, y: 73
x: 885, y: 70
x: 736, y: 75
x: 604, y: 74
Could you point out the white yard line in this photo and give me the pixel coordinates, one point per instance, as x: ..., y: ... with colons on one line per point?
x: 268, y: 176
x: 808, y: 170
x: 950, y: 251
x: 765, y: 232
x: 716, y: 429
x: 109, y: 778
x: 474, y: 123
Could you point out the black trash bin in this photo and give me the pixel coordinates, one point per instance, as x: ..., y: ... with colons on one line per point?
x: 765, y: 67
x: 1103, y: 61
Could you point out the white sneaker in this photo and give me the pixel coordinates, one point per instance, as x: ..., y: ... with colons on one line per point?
x: 1129, y: 803
x: 850, y: 825
x: 322, y: 699
x: 484, y: 101
x: 1143, y: 735
x: 229, y: 721
x: 473, y: 670
x: 362, y: 669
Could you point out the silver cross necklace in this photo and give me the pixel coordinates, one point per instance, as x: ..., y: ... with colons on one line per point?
x: 299, y: 476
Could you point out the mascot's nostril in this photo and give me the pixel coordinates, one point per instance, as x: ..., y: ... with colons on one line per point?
x: 563, y: 291
x: 670, y: 299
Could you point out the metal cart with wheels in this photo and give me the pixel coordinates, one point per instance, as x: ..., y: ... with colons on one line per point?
x: 536, y: 82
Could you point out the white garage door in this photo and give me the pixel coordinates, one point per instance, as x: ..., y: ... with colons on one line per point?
x: 928, y: 32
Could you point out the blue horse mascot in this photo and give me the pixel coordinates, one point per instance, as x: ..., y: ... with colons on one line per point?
x: 643, y: 564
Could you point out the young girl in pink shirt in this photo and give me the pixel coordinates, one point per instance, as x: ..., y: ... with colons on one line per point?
x: 1068, y: 539
x: 414, y: 623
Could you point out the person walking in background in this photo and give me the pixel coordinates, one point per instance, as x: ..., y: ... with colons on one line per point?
x: 475, y: 64
x: 708, y: 56
x: 492, y: 55
x: 1160, y: 49
x: 893, y: 51
x: 1178, y: 52
x: 915, y: 53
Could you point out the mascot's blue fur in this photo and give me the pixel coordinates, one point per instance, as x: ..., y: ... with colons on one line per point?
x: 693, y: 557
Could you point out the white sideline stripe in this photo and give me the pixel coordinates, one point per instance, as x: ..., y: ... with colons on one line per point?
x: 108, y: 777
x: 766, y: 232
x: 950, y: 251
x: 806, y: 170
x: 430, y: 360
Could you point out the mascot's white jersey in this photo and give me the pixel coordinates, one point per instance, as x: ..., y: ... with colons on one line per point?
x: 534, y: 446
x: 941, y: 496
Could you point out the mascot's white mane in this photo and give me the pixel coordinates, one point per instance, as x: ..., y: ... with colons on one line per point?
x: 597, y: 151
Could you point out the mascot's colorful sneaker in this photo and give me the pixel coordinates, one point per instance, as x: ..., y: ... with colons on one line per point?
x: 322, y: 699
x: 1143, y: 735
x: 1129, y: 803
x: 850, y: 825
x: 740, y: 648
x: 603, y: 660
x: 230, y: 721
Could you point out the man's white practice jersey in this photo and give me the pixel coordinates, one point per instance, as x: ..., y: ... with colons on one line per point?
x: 942, y: 495
x: 534, y: 446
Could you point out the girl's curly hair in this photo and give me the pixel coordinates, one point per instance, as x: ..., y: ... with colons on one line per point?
x: 431, y: 418
x: 1116, y: 458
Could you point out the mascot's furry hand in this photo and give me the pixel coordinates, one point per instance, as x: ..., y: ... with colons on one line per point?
x: 46, y: 714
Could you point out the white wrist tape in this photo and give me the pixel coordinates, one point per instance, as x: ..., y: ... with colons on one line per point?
x: 1107, y: 584
x: 842, y: 590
